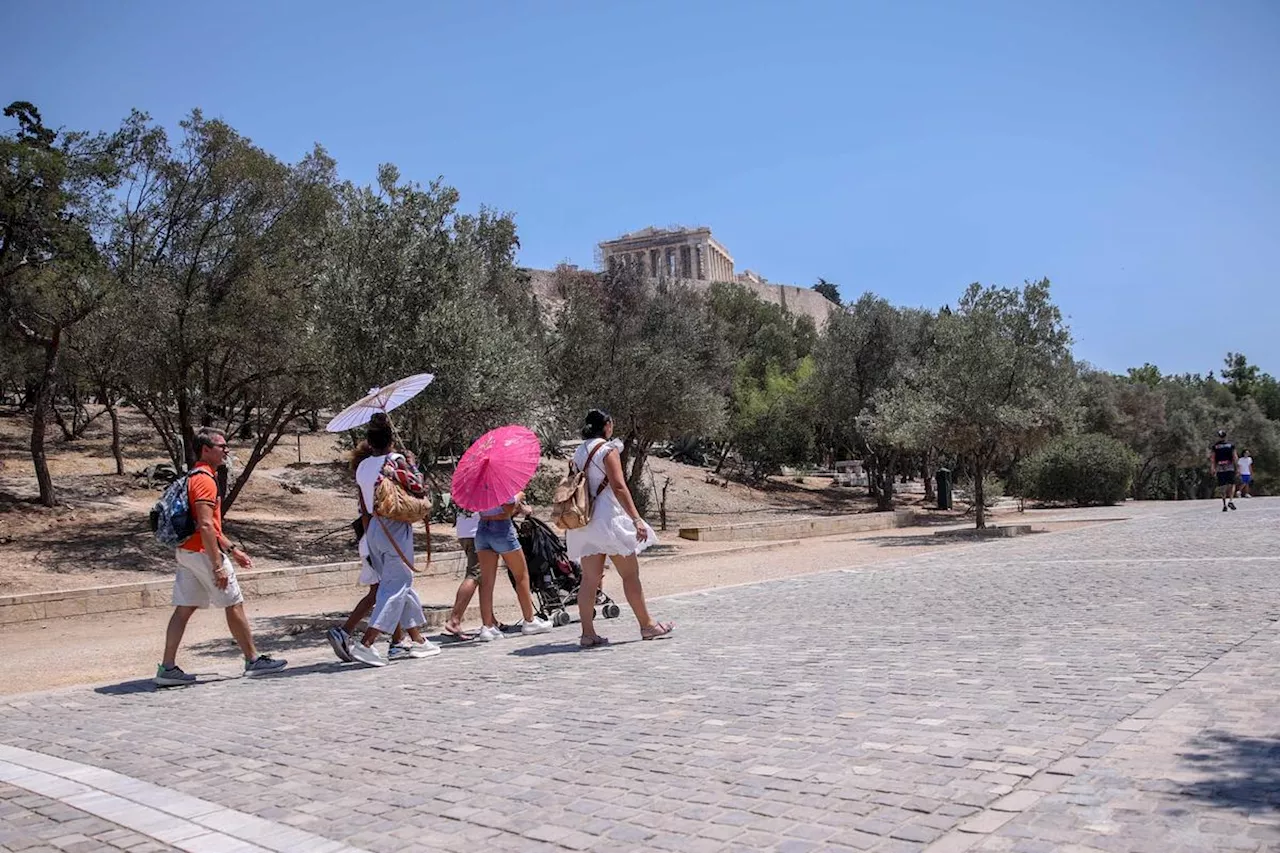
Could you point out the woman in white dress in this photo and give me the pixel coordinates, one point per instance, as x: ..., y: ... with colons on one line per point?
x: 616, y: 530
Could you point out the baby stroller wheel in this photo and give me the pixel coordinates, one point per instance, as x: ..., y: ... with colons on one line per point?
x: 610, y: 611
x: 560, y: 618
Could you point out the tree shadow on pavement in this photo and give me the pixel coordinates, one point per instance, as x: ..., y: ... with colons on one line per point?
x: 1243, y: 772
x: 545, y: 649
x: 145, y: 685
x: 273, y: 635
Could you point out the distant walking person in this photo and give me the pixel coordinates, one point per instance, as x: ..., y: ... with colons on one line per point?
x: 205, y: 576
x: 616, y: 530
x: 1222, y: 461
x: 1244, y: 467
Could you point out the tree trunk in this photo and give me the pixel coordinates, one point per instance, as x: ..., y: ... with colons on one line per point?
x: 884, y: 496
x: 115, y: 437
x: 979, y: 494
x: 639, y: 454
x: 68, y: 432
x: 39, y: 414
x: 724, y: 454
x: 927, y: 470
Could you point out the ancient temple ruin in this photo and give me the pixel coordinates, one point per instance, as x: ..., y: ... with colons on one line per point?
x: 688, y: 253
x: 693, y: 256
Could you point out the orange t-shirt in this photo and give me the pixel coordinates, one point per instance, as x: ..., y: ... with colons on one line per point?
x: 203, y: 489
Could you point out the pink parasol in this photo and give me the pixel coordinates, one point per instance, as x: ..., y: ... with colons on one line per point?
x: 495, y: 468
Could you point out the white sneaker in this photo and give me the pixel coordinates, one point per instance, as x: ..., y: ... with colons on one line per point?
x: 489, y: 633
x: 367, y: 655
x: 425, y: 649
x: 535, y: 626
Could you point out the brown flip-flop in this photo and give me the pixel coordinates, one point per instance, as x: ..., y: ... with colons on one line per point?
x: 593, y: 641
x: 658, y: 631
x: 457, y: 634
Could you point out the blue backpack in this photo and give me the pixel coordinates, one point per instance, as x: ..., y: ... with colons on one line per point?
x: 171, y: 518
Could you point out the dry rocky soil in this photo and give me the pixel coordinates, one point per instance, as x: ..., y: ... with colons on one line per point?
x: 295, y: 509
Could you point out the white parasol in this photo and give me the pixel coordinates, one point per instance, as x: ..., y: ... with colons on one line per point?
x: 382, y: 399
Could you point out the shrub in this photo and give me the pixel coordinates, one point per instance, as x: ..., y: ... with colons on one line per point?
x: 1082, y: 469
x: 992, y: 491
x: 542, y: 488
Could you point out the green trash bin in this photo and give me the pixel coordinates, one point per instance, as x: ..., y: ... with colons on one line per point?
x: 944, y: 488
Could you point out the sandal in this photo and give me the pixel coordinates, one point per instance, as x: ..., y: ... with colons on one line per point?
x: 457, y: 633
x: 658, y: 631
x: 592, y: 641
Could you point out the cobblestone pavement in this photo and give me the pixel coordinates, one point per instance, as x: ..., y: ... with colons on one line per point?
x: 1113, y: 688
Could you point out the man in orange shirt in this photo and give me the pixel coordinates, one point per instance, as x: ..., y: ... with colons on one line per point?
x: 205, y: 576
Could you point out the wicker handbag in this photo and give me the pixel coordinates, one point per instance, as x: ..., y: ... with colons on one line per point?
x: 391, y: 501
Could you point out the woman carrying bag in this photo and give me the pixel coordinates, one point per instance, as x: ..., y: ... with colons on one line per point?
x: 615, y: 530
x: 390, y: 546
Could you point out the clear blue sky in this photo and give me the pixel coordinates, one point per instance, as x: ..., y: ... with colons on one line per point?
x: 1129, y: 151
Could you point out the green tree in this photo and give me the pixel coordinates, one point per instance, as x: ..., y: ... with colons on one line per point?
x: 646, y: 352
x: 218, y: 246
x: 864, y: 352
x: 410, y: 285
x: 999, y: 379
x: 828, y: 289
x: 770, y: 422
x: 764, y: 340
x: 54, y: 192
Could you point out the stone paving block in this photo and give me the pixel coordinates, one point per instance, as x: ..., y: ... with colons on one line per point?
x: 1069, y: 677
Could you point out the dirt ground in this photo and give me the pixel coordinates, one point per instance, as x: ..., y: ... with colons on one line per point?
x: 295, y: 509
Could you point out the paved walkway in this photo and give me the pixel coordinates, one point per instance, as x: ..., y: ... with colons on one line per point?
x: 1113, y: 688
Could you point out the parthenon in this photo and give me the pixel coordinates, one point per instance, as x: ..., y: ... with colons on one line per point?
x: 689, y: 253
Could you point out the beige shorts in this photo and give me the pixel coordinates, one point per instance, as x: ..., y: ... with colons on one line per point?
x: 473, y: 562
x: 193, y: 585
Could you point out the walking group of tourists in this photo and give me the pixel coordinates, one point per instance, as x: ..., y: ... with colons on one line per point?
x: 1231, y: 468
x: 206, y: 577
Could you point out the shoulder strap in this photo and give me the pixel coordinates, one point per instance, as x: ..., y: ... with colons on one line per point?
x: 395, y: 545
x: 604, y: 482
x: 365, y: 515
x: 187, y: 478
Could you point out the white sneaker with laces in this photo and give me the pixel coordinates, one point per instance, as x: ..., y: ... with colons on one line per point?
x: 535, y: 626
x: 367, y: 655
x: 489, y: 633
x: 425, y: 649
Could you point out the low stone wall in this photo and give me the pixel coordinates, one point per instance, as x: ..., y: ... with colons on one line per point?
x: 258, y: 583
x: 799, y: 528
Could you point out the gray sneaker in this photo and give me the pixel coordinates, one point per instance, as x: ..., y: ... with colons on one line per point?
x: 339, y: 640
x: 172, y: 676
x: 263, y: 663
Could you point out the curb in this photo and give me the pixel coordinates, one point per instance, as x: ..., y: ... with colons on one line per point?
x: 260, y: 583
x: 257, y: 583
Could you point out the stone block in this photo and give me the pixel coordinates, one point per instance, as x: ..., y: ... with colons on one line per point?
x: 21, y: 612
x: 271, y: 585
x: 77, y: 606
x: 115, y: 601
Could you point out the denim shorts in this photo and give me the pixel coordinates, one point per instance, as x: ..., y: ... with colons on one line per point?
x: 498, y: 535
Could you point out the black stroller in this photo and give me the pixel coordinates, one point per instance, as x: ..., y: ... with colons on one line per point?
x: 553, y: 577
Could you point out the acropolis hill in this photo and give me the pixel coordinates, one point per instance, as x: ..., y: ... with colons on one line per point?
x: 694, y: 258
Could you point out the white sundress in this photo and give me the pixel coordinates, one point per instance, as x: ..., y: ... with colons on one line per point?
x: 611, y: 531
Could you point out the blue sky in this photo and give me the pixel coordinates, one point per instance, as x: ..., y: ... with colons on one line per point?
x: 1128, y: 151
